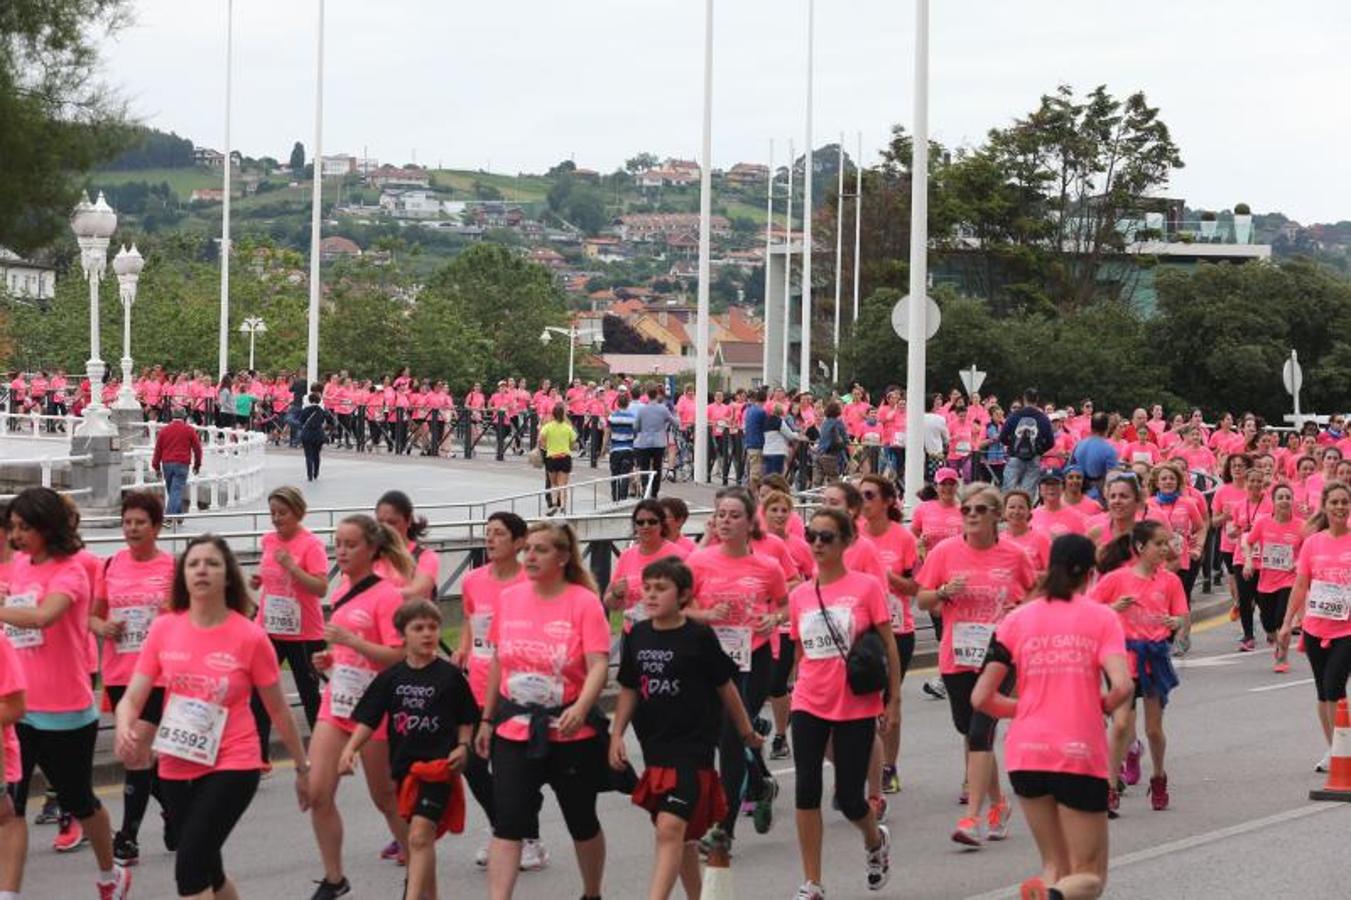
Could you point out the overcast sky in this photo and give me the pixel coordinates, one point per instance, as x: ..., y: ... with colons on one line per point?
x: 1254, y: 91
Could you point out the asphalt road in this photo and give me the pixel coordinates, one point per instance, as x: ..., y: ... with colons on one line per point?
x: 1243, y: 742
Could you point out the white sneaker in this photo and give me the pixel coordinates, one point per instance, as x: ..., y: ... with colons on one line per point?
x: 481, y: 857
x: 810, y: 890
x: 534, y: 856
x: 879, y: 861
x: 1325, y: 763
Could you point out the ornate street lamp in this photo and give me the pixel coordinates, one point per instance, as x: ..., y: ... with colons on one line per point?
x: 94, y: 224
x: 128, y: 265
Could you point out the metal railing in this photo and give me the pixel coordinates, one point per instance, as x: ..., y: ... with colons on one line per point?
x: 38, y: 426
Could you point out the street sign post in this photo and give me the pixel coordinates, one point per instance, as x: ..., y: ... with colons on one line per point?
x: 972, y: 379
x: 900, y: 318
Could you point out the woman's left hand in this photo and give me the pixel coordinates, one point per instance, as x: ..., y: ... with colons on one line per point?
x: 336, y: 634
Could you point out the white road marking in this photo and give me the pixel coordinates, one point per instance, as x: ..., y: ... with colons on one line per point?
x: 1277, y: 687
x: 1190, y: 843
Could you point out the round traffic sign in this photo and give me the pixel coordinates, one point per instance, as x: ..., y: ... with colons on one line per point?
x: 900, y: 318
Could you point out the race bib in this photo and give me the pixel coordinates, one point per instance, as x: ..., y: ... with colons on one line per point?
x: 135, y: 626
x: 814, y: 630
x: 346, y: 686
x: 1143, y: 456
x: 736, y: 643
x: 23, y: 638
x: 1330, y: 601
x: 281, y: 615
x: 970, y: 641
x: 535, y: 689
x: 1176, y: 542
x: 191, y: 729
x: 1278, y: 557
x: 897, y: 607
x: 479, y: 624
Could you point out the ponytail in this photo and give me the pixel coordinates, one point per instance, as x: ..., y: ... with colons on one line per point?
x: 386, y: 543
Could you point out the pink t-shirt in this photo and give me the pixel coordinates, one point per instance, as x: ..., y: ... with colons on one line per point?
x: 55, y: 685
x: 855, y: 604
x: 1035, y: 544
x: 541, y: 648
x: 1058, y: 649
x: 1326, y: 562
x: 1054, y: 523
x: 223, y: 665
x: 281, y: 596
x: 1156, y: 596
x: 997, y: 579
x: 369, y: 615
x: 933, y: 522
x: 899, y: 552
x: 1275, y: 550
x: 630, y: 567
x: 136, y: 592
x: 862, y: 556
x: 1185, y: 519
x: 776, y: 548
x: 1243, y: 512
x: 750, y: 585
x: 801, y: 553
x: 481, y: 591
x: 426, y: 562
x: 12, y: 681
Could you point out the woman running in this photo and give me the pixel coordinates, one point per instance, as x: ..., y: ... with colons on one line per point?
x: 1052, y: 516
x: 898, y: 551
x: 133, y: 588
x: 292, y: 576
x: 626, y: 589
x: 557, y: 439
x: 1233, y: 474
x: 46, y: 618
x: 1320, y: 604
x: 362, y: 642
x: 829, y: 615
x: 551, y: 645
x: 742, y: 595
x: 974, y: 579
x: 1240, y: 514
x: 1055, y: 750
x: 1018, y: 528
x: 1152, y: 606
x: 1271, y: 547
x: 395, y: 510
x: 776, y: 509
x: 210, y: 658
x: 932, y: 522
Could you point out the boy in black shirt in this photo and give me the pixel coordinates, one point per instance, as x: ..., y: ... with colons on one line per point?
x: 675, y: 681
x: 432, y: 715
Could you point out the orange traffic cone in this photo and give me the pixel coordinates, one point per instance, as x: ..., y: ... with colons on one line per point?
x: 718, y: 883
x: 1338, y: 785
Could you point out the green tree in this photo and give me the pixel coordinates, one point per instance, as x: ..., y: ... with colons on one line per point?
x: 58, y: 118
x: 586, y: 209
x: 640, y: 162
x: 297, y: 159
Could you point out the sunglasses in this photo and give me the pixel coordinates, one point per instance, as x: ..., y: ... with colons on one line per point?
x: 978, y: 509
x: 821, y: 537
x: 642, y: 523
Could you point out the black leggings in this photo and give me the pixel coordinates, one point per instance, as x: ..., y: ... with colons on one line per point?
x: 139, y: 785
x: 1188, y: 577
x: 853, y: 745
x: 297, y: 653
x: 312, y: 450
x: 754, y: 690
x: 206, y: 810
x: 1272, y: 606
x: 975, y: 726
x: 1247, y: 600
x: 67, y: 759
x: 572, y: 768
x: 783, y: 667
x: 1331, y: 667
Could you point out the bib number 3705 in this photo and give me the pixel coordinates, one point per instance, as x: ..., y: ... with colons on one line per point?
x: 191, y: 729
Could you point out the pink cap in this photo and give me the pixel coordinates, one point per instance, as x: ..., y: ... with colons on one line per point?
x: 946, y: 474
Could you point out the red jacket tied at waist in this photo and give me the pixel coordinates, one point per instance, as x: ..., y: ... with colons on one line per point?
x: 436, y: 771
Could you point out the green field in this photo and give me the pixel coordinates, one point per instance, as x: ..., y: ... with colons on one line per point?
x: 182, y: 181
x: 522, y: 189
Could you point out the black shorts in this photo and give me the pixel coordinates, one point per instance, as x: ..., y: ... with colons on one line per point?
x: 432, y: 798
x: 905, y: 649
x: 573, y: 769
x: 154, y: 704
x: 1331, y: 666
x: 558, y: 464
x: 1084, y: 793
x: 67, y: 760
x: 1227, y: 561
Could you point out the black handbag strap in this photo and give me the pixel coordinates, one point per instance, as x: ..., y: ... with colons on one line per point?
x: 830, y: 623
x: 355, y: 590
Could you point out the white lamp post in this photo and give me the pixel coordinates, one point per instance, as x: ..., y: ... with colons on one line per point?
x: 547, y: 335
x: 252, y: 326
x: 94, y: 224
x: 128, y: 266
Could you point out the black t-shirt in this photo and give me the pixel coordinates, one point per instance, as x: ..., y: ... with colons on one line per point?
x: 426, y: 708
x: 677, y: 674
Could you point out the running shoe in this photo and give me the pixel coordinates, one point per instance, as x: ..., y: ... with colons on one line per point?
x: 1281, y: 667
x: 1158, y: 792
x: 810, y: 890
x: 534, y: 855
x: 50, y: 813
x: 329, y: 891
x: 935, y: 688
x: 70, y: 837
x: 117, y: 889
x: 967, y: 832
x: 891, y: 781
x: 879, y: 807
x: 779, y: 748
x: 716, y: 839
x: 997, y: 821
x: 481, y: 856
x: 879, y: 861
x: 1033, y: 889
x: 1113, y: 803
x: 390, y: 851
x: 126, y: 852
x: 1130, y: 769
x: 747, y: 808
x: 1247, y: 645
x: 1325, y: 763
x: 764, y: 806
x: 762, y: 726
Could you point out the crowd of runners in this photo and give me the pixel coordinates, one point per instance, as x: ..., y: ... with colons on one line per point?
x: 1054, y: 553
